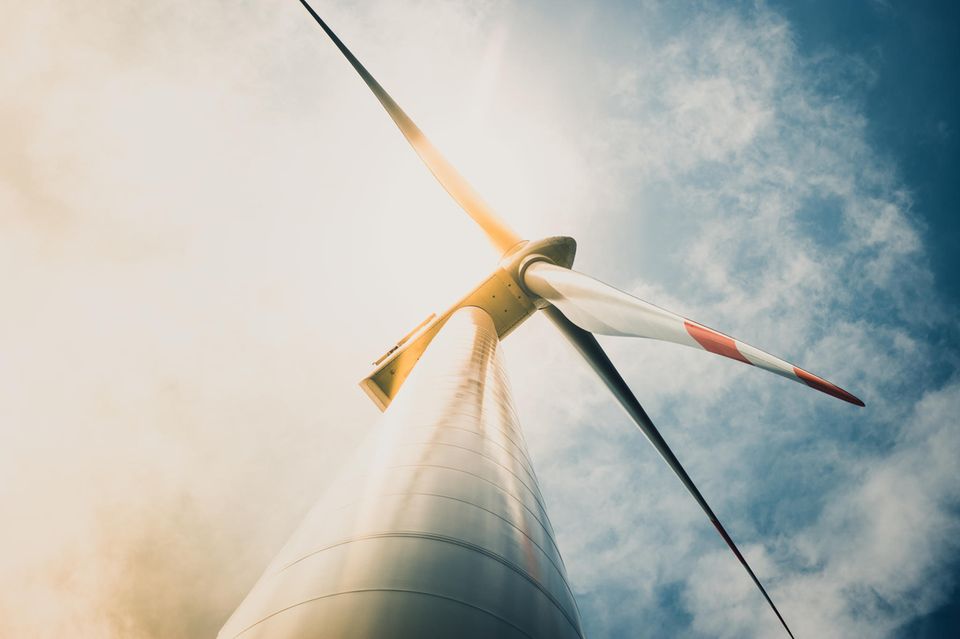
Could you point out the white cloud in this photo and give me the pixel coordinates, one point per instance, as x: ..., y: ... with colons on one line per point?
x: 796, y: 236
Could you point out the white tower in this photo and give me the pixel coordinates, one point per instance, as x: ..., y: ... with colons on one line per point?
x: 441, y: 532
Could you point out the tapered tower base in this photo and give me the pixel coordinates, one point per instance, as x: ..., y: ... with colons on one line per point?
x: 439, y: 531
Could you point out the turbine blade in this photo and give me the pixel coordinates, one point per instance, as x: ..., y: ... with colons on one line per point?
x: 600, y: 308
x: 499, y: 234
x: 587, y: 345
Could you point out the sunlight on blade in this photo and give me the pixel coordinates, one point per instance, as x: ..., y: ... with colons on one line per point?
x: 499, y: 234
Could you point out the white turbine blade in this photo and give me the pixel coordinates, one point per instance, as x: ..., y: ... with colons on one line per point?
x: 602, y: 309
x: 587, y: 345
x: 499, y: 234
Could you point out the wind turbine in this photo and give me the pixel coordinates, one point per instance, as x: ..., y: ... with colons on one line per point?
x: 445, y: 532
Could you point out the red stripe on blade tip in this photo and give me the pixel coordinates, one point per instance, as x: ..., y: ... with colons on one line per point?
x: 715, y: 342
x: 824, y: 386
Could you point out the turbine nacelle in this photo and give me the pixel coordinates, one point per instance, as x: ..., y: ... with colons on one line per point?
x: 502, y: 295
x: 558, y: 250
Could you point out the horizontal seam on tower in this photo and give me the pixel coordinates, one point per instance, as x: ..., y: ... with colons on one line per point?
x: 522, y: 447
x: 469, y: 546
x: 355, y: 499
x: 553, y: 543
x: 546, y: 531
x: 404, y: 590
x: 536, y: 493
x: 548, y: 528
x: 518, y: 442
x: 519, y: 447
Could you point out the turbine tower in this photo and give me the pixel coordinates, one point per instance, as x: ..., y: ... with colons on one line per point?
x: 440, y: 529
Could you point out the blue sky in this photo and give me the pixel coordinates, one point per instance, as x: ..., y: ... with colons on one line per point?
x: 861, y: 73
x: 215, y: 229
x: 888, y: 67
x: 911, y: 107
x: 816, y: 101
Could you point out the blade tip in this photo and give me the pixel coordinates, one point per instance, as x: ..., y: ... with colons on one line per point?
x: 822, y: 385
